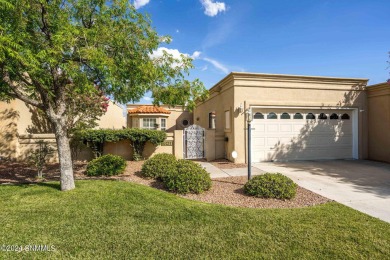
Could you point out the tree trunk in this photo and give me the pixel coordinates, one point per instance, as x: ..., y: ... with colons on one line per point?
x: 64, y: 156
x: 40, y: 173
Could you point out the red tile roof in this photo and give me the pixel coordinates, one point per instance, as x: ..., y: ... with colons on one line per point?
x: 148, y: 110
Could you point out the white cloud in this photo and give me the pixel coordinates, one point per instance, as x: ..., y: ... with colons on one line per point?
x: 212, y: 8
x: 177, y: 31
x: 147, y: 98
x: 160, y: 52
x: 176, y: 54
x: 205, y: 67
x: 140, y: 3
x: 217, y: 65
x: 195, y: 55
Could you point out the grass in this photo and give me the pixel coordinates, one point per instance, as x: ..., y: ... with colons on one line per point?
x: 114, y: 219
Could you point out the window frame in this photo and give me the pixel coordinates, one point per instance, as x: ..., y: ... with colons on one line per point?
x: 163, y: 127
x: 260, y: 114
x: 285, y: 113
x: 337, y: 116
x: 212, y: 120
x: 322, y: 116
x: 227, y: 120
x: 151, y: 126
x: 300, y: 114
x: 345, y: 116
x: 314, y: 117
x: 276, y: 116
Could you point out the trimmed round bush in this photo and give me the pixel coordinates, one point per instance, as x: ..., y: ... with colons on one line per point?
x: 159, y: 165
x: 271, y: 185
x: 189, y: 177
x: 107, y: 165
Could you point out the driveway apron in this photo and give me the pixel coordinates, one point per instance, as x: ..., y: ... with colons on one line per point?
x: 360, y: 184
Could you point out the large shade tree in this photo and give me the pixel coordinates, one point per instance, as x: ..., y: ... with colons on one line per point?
x: 52, y: 51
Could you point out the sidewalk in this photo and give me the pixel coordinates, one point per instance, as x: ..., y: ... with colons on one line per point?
x: 216, y: 172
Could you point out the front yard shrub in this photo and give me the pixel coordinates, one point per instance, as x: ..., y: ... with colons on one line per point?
x: 189, y: 177
x: 271, y: 185
x: 106, y: 165
x: 159, y: 165
x: 95, y: 139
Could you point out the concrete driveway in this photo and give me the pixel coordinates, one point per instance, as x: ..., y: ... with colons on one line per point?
x: 359, y: 184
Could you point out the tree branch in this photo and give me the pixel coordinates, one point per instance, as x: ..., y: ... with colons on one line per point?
x: 17, y: 93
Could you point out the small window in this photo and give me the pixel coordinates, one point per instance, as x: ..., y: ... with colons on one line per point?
x: 334, y: 116
x: 345, y: 117
x: 163, y: 126
x: 323, y: 116
x: 227, y: 119
x: 285, y: 116
x: 185, y: 122
x: 272, y: 115
x: 212, y: 120
x: 298, y: 116
x: 259, y: 116
x: 310, y: 116
x: 149, y: 123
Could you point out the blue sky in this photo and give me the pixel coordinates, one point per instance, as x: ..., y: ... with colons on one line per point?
x: 339, y: 38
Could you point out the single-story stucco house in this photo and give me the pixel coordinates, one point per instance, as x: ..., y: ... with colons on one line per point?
x: 293, y: 118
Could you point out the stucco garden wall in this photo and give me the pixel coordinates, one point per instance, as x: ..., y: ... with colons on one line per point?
x: 21, y: 126
x: 379, y: 122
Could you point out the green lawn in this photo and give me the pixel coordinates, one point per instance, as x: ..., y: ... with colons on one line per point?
x: 114, y: 219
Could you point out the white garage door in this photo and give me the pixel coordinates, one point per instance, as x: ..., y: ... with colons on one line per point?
x: 301, y: 134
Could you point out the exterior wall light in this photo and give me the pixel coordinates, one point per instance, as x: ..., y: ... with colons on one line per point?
x: 240, y: 109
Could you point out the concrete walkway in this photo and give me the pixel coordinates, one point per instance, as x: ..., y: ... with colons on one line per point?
x: 216, y: 172
x: 361, y: 185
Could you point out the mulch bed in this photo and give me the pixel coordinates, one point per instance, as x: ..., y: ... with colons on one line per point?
x: 226, y: 164
x: 227, y: 191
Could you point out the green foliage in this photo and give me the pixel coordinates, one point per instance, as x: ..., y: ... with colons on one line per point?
x: 95, y: 138
x: 107, y: 165
x: 38, y: 156
x: 271, y: 185
x: 189, y: 177
x: 159, y: 165
x: 65, y: 56
x: 77, y: 46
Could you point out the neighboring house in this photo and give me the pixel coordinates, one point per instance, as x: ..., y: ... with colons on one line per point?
x: 152, y: 117
x: 158, y: 117
x: 294, y: 117
x: 22, y: 125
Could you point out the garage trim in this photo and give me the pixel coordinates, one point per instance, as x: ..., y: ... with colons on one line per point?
x: 355, y: 121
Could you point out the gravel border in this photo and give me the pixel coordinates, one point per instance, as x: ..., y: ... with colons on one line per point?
x: 225, y: 191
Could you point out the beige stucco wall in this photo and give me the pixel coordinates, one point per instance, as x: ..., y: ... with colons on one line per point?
x: 124, y: 149
x: 251, y: 89
x: 379, y: 122
x: 113, y: 118
x: 221, y: 99
x: 21, y: 126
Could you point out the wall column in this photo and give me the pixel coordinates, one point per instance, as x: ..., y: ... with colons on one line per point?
x: 178, y: 144
x: 209, y: 145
